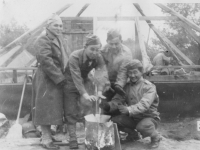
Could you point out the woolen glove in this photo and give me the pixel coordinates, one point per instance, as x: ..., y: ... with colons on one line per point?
x: 104, y: 105
x: 123, y: 109
x: 119, y: 90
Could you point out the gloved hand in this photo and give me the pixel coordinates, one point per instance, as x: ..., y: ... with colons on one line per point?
x: 104, y: 105
x: 123, y: 109
x: 62, y: 83
x: 119, y: 90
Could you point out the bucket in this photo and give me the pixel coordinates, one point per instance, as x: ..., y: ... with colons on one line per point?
x: 99, y: 133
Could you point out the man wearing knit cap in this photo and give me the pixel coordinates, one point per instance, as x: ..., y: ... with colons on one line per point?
x: 138, y: 110
x: 80, y: 63
x: 116, y: 56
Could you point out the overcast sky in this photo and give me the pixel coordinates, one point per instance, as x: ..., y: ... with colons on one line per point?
x: 32, y: 12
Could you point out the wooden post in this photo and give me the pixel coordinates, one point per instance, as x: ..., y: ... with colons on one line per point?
x: 94, y: 25
x: 82, y: 10
x: 145, y: 58
x: 181, y: 17
x: 15, y: 76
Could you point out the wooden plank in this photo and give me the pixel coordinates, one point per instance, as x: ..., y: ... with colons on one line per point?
x: 76, y: 18
x: 15, y: 76
x: 82, y: 10
x: 181, y: 17
x: 95, y: 21
x: 18, y: 68
x: 190, y: 32
x: 77, y: 32
x: 178, y: 67
x: 137, y: 52
x: 157, y: 18
x: 125, y: 18
x: 174, y: 78
x: 31, y: 31
x: 167, y: 43
x: 145, y: 58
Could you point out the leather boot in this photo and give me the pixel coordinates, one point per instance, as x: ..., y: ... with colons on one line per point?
x: 155, y: 141
x: 132, y: 135
x: 73, y: 144
x: 46, y: 139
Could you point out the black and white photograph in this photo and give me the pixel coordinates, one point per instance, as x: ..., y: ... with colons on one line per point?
x: 99, y: 75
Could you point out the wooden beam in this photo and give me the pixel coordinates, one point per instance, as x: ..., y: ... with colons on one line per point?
x: 15, y: 76
x: 167, y: 43
x: 156, y: 18
x: 30, y: 62
x: 145, y: 58
x: 181, y: 17
x: 18, y: 68
x: 178, y: 67
x: 76, y: 18
x: 190, y: 32
x: 31, y: 31
x: 82, y: 10
x: 11, y: 58
x: 78, y: 32
x: 171, y: 46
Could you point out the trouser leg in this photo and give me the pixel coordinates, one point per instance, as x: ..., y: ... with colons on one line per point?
x: 71, y: 111
x: 126, y: 124
x: 147, y: 127
x: 46, y: 134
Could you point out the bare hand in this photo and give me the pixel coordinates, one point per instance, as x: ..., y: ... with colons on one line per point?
x: 99, y: 95
x: 89, y: 97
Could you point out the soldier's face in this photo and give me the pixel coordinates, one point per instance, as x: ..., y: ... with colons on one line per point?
x: 92, y: 51
x: 114, y: 44
x: 56, y: 27
x: 134, y: 75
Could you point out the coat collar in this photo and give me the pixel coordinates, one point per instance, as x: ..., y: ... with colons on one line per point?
x: 52, y: 37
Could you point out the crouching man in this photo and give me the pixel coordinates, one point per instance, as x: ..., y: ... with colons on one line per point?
x: 138, y: 109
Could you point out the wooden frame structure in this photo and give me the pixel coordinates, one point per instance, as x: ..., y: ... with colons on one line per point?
x: 184, y: 22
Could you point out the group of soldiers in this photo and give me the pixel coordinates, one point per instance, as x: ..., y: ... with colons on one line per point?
x: 59, y: 86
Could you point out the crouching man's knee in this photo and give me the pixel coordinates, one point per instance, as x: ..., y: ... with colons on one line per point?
x: 147, y: 127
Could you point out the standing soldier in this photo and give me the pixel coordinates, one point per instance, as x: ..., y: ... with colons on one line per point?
x: 80, y: 63
x: 138, y: 110
x: 49, y: 79
x: 116, y: 56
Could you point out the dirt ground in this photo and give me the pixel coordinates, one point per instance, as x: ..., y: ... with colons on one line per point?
x: 177, y: 134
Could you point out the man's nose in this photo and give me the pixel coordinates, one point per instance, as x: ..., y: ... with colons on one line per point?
x: 113, y: 46
x: 132, y: 75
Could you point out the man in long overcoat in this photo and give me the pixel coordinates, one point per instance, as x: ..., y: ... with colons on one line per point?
x: 49, y: 79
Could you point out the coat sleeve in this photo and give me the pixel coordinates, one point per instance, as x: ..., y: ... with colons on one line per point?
x: 144, y: 104
x: 102, y: 73
x: 44, y: 57
x: 76, y: 74
x: 122, y: 73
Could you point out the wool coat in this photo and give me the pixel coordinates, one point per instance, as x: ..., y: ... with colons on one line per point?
x: 47, y: 101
